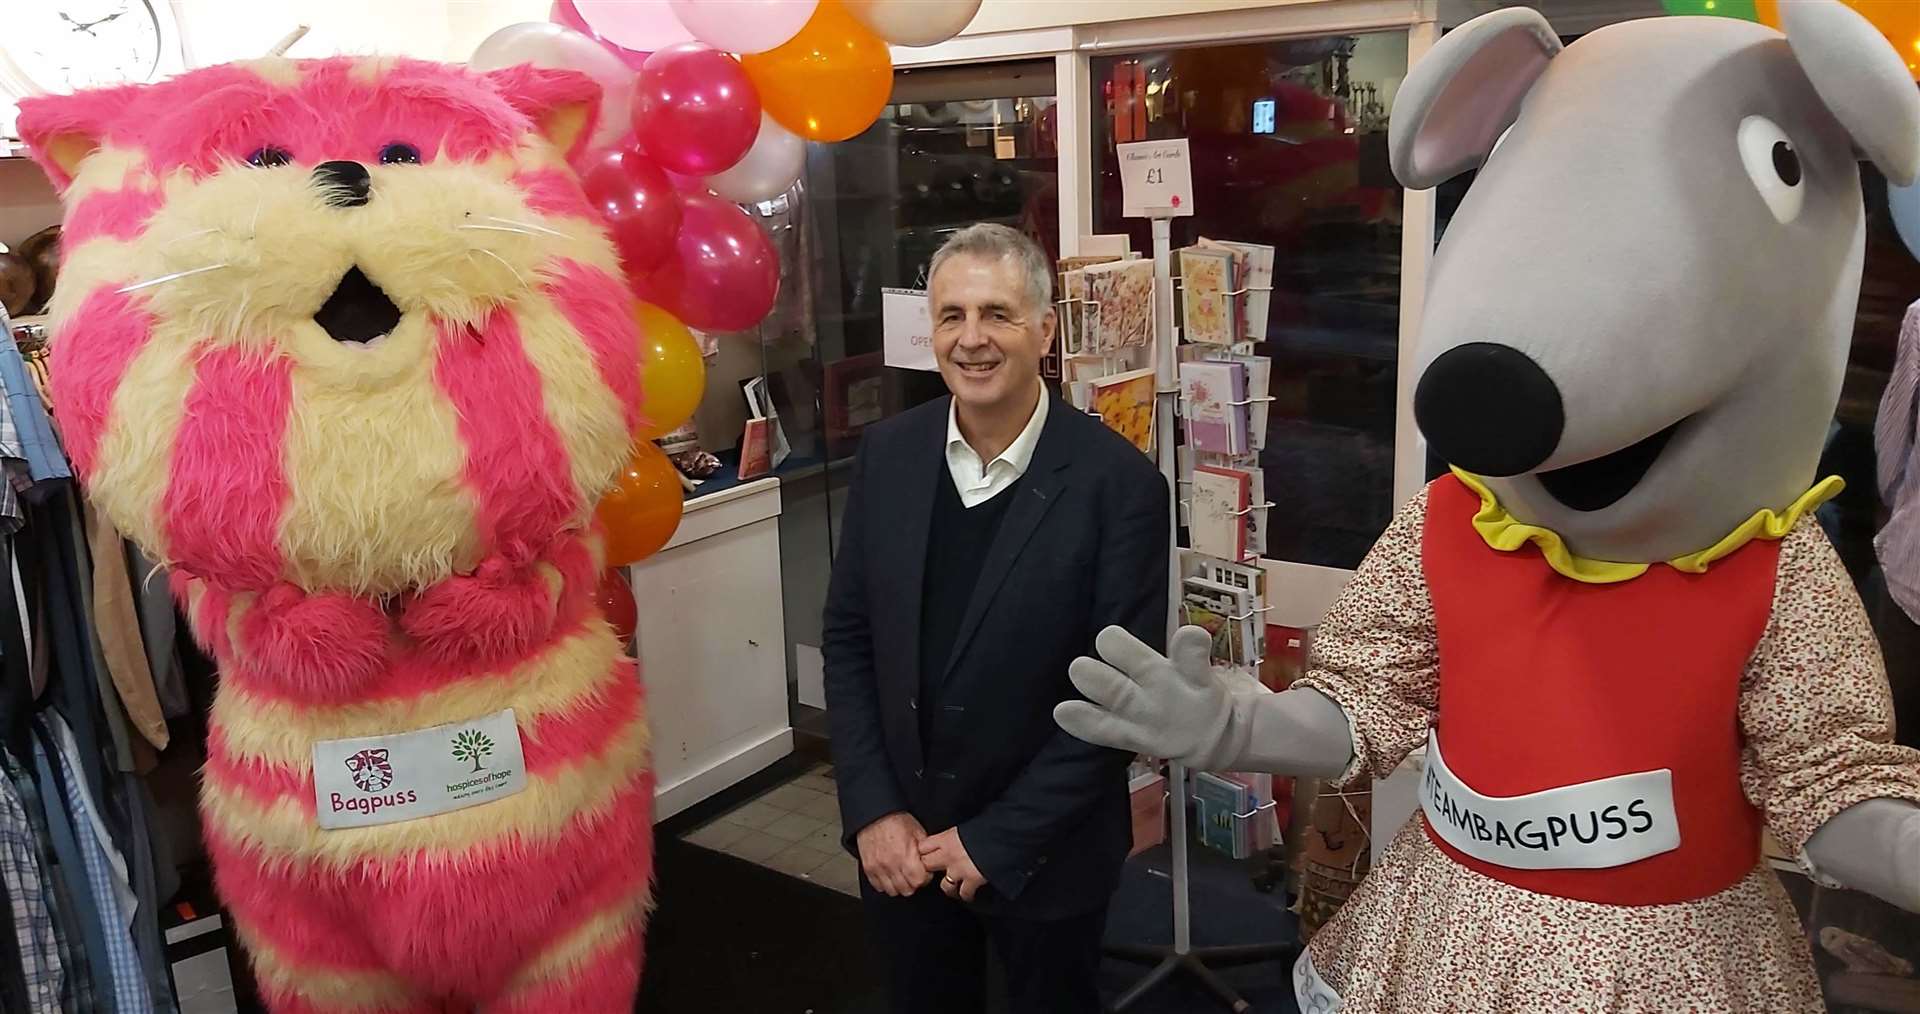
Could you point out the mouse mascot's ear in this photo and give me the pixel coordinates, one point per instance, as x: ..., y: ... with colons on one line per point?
x: 1862, y: 80
x: 1467, y: 90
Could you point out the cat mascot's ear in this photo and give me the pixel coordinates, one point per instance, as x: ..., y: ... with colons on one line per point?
x: 62, y: 131
x: 564, y: 105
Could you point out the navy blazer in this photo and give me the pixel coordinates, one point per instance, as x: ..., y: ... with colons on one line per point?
x: 1043, y: 815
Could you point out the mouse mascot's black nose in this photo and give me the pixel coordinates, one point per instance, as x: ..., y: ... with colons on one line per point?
x: 1489, y: 409
x: 346, y: 184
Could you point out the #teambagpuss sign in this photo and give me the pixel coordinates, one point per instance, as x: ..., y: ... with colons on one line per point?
x: 384, y: 779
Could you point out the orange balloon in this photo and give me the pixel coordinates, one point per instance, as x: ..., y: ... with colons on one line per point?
x: 643, y: 508
x: 672, y: 374
x: 829, y: 82
x: 1898, y: 20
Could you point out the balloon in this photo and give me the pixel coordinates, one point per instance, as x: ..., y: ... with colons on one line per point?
x: 1899, y: 21
x: 830, y: 81
x: 565, y: 13
x: 616, y: 602
x: 640, y: 25
x: 688, y: 184
x: 917, y: 22
x: 558, y: 47
x: 639, y: 205
x: 1742, y: 9
x: 694, y: 110
x: 766, y: 170
x: 723, y: 274
x: 643, y: 508
x: 672, y: 374
x: 743, y: 26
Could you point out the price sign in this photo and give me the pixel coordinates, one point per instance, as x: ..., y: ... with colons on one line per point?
x: 907, y: 329
x: 1156, y: 179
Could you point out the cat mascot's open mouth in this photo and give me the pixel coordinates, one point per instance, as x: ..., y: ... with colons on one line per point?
x: 357, y: 311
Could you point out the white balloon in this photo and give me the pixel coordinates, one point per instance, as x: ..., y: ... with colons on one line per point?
x: 914, y: 22
x: 558, y: 47
x: 766, y: 170
x: 743, y: 26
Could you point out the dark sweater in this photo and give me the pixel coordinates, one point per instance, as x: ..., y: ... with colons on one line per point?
x: 957, y: 545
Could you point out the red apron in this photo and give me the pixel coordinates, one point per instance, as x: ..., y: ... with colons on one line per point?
x: 1548, y: 682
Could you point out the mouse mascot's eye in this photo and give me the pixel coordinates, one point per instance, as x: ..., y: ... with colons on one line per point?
x: 269, y: 158
x: 1774, y: 166
x: 399, y: 153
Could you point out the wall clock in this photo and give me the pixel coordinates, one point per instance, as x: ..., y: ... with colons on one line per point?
x: 65, y: 45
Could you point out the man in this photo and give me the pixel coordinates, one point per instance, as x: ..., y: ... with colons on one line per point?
x: 988, y: 537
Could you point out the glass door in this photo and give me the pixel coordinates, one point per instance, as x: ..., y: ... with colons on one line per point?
x: 957, y: 146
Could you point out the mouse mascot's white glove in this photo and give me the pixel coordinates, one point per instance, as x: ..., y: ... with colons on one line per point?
x: 1144, y: 702
x: 1873, y: 847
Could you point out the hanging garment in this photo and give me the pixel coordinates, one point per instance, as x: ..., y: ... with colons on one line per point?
x: 1895, y: 449
x: 159, y: 631
x: 76, y: 994
x: 107, y: 879
x: 46, y: 463
x: 149, y: 889
x: 11, y: 517
x: 67, y: 851
x: 33, y: 935
x: 117, y: 629
x: 83, y: 687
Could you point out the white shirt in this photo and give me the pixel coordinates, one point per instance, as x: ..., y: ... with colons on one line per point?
x: 977, y: 483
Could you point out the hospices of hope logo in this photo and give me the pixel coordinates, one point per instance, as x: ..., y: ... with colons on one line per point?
x: 371, y: 770
x: 471, y: 745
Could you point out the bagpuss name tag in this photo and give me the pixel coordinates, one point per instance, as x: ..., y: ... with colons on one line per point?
x: 1590, y: 826
x: 409, y: 775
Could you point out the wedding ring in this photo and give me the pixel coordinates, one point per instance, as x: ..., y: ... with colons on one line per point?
x: 952, y: 881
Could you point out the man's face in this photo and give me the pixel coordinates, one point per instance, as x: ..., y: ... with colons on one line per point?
x: 987, y: 339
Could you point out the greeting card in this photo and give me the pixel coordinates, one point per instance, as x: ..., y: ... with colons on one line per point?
x: 1217, y: 512
x: 1119, y: 306
x: 1125, y: 402
x: 1258, y: 281
x: 1206, y: 276
x: 1214, y: 396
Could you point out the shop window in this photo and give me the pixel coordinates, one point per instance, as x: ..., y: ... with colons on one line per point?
x: 1289, y: 148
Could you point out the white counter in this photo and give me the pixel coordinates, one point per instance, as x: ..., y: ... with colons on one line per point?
x: 712, y: 646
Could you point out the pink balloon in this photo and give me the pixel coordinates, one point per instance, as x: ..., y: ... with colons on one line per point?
x: 694, y: 109
x: 688, y: 184
x: 638, y: 203
x: 744, y: 26
x: 645, y: 25
x: 723, y: 274
x: 565, y: 13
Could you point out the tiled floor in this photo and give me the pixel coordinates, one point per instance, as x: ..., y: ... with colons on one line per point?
x: 793, y: 828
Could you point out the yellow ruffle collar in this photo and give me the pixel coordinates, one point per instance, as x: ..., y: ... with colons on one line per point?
x: 1505, y: 534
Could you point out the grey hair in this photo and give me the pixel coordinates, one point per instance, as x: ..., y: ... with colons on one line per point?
x: 993, y: 241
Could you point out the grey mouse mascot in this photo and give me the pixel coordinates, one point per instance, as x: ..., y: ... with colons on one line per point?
x: 1616, y: 628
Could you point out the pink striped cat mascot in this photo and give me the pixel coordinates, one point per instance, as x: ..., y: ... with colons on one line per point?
x: 342, y: 342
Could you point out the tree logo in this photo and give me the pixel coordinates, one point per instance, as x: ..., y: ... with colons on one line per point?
x: 472, y: 745
x: 371, y: 771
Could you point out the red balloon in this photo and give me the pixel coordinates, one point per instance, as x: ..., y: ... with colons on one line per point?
x: 723, y: 274
x: 694, y: 109
x: 617, y: 604
x: 688, y: 184
x: 639, y: 204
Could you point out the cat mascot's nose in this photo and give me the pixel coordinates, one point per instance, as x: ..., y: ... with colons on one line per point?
x: 346, y: 184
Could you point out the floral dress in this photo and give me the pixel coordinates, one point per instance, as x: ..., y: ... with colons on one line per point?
x: 1426, y: 931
